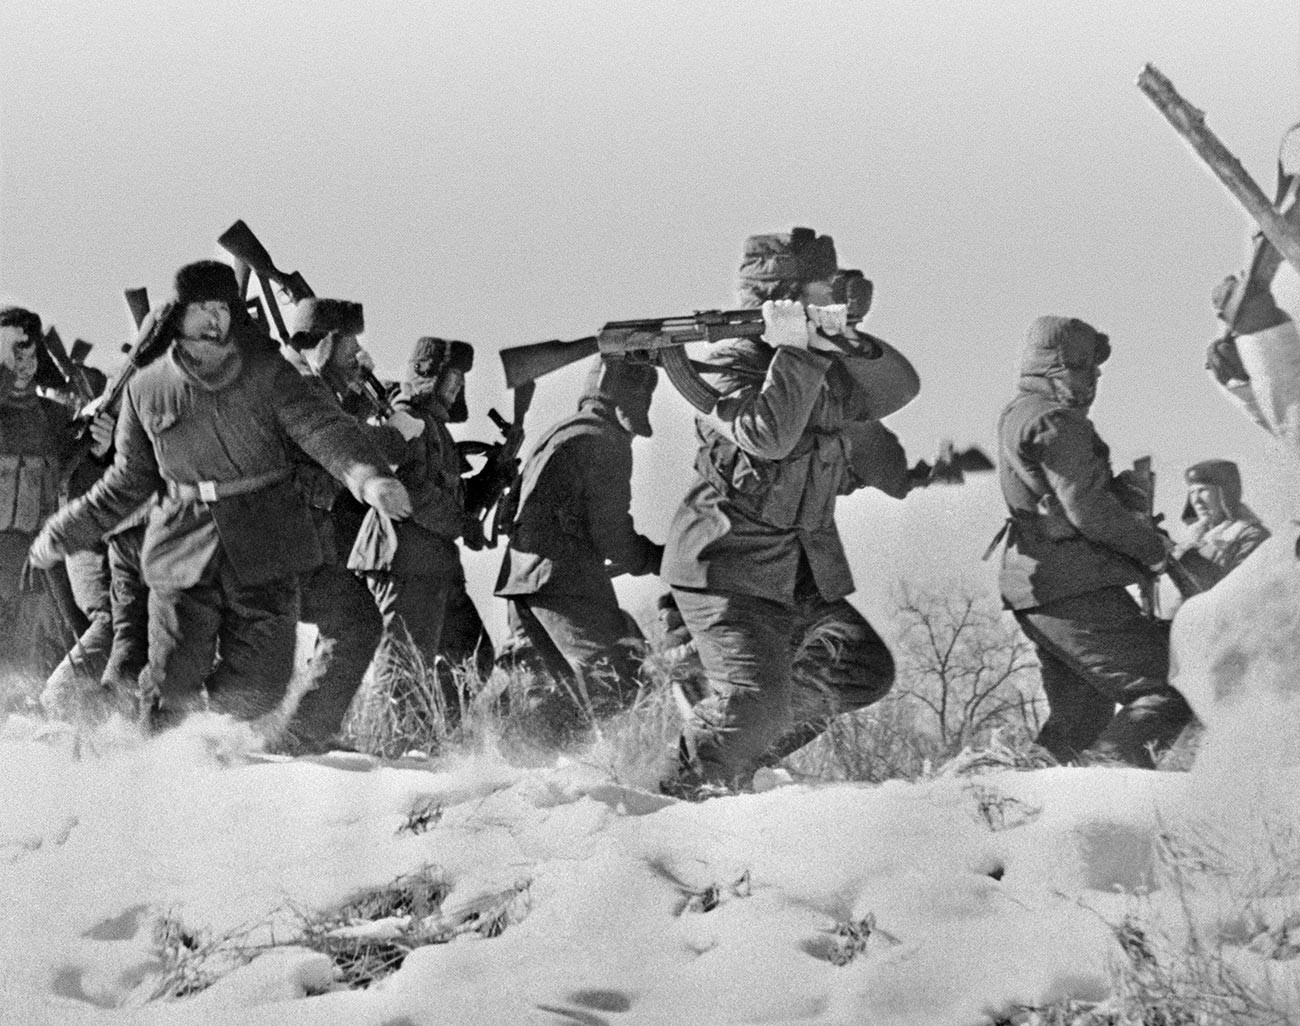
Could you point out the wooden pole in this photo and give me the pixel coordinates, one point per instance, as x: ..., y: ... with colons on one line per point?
x: 1190, y: 124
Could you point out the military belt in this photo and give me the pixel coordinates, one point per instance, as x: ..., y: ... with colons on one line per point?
x: 211, y: 491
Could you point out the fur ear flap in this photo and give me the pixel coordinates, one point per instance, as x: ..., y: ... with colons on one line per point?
x: 431, y: 356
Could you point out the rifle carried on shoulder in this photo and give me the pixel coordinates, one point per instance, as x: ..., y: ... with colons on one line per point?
x: 659, y: 341
x: 251, y: 256
x: 137, y: 303
x: 71, y: 365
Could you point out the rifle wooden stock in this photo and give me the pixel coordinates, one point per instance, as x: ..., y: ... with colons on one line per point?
x: 73, y: 372
x: 137, y: 302
x: 251, y: 257
x: 1144, y: 475
x: 1189, y: 122
x: 524, y: 364
x: 239, y: 241
x: 242, y: 275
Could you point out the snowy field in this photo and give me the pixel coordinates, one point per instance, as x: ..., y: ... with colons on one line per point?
x: 131, y: 870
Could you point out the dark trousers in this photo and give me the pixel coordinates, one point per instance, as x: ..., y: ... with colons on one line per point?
x: 1097, y: 652
x: 589, y: 645
x: 465, y: 641
x: 755, y: 713
x: 31, y: 639
x: 247, y: 631
x: 129, y: 599
x: 348, y: 629
x: 78, y: 674
x: 413, y: 608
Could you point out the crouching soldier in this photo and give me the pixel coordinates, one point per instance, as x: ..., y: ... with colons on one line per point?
x: 413, y: 567
x: 325, y: 350
x: 1072, y: 548
x: 754, y: 558
x: 573, y: 532
x: 209, y: 426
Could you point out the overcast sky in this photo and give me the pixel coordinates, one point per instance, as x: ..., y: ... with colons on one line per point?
x: 511, y: 172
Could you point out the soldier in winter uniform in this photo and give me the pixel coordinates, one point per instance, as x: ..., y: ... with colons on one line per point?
x: 753, y: 555
x: 412, y: 567
x: 325, y: 350
x: 209, y: 426
x: 36, y: 443
x: 1222, y: 529
x: 1073, y: 545
x: 573, y: 532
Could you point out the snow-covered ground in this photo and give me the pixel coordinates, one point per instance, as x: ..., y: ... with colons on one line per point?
x: 568, y: 899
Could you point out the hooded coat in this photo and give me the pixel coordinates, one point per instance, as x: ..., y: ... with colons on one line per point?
x: 1069, y: 532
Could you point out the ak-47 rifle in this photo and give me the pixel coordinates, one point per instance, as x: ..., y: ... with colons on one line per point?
x: 1143, y: 478
x: 153, y: 335
x: 251, y: 257
x: 661, y: 341
x: 496, y: 485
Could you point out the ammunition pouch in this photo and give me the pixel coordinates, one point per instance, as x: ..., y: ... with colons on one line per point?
x: 29, y: 491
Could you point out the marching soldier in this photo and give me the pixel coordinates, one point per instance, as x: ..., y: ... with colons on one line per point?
x: 209, y: 424
x: 753, y: 557
x: 573, y: 531
x: 36, y: 443
x: 325, y: 350
x: 1073, y: 546
x: 412, y: 567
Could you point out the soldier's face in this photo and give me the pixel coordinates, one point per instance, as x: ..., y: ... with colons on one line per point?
x: 1207, y: 502
x: 21, y: 350
x: 343, y: 354
x: 206, y: 322
x: 450, y: 384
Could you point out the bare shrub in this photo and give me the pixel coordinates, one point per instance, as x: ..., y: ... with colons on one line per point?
x: 967, y: 689
x: 968, y: 667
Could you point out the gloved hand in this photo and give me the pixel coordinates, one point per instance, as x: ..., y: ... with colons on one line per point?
x: 365, y: 361
x: 410, y: 427
x: 388, y: 495
x: 827, y: 320
x: 101, y: 432
x: 44, y: 553
x: 786, y: 324
x: 1224, y: 362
